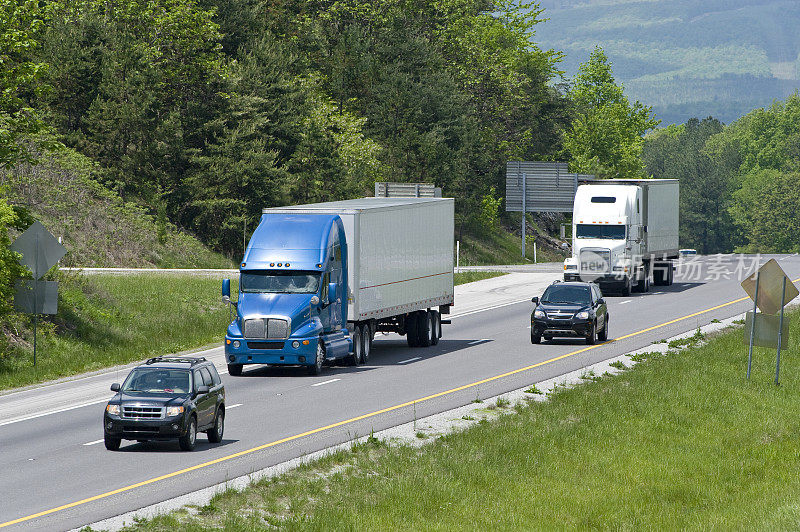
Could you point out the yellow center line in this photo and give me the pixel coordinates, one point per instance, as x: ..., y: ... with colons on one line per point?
x: 359, y: 418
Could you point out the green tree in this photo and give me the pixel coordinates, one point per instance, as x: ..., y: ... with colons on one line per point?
x: 767, y: 208
x: 605, y: 137
x: 20, y: 21
x: 678, y: 152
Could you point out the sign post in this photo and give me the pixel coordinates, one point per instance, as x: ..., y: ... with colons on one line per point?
x: 40, y: 251
x: 770, y: 290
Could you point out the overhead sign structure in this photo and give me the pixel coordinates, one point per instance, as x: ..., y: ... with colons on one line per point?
x: 535, y: 186
x: 770, y: 289
x: 40, y: 251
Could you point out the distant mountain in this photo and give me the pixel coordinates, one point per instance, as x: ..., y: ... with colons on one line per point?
x: 685, y: 58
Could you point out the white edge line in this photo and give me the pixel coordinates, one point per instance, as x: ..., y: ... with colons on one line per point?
x: 42, y: 414
x: 326, y: 382
x: 409, y: 360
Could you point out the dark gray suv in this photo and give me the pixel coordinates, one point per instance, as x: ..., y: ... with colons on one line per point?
x: 167, y: 398
x: 571, y: 308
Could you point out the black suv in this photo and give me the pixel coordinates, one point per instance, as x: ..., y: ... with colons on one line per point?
x: 570, y: 309
x: 167, y: 398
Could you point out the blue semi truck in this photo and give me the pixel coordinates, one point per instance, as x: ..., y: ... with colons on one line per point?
x: 318, y: 281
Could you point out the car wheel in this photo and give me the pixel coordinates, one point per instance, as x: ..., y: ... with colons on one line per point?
x: 215, y: 434
x: 358, y: 346
x: 536, y: 338
x: 366, y: 343
x: 591, y: 337
x: 189, y: 440
x: 603, y: 335
x: 112, y: 444
x: 234, y: 370
x: 319, y: 358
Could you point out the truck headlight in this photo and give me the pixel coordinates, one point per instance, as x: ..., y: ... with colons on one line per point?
x: 582, y: 315
x: 173, y: 411
x: 570, y: 267
x: 539, y: 314
x: 236, y: 344
x: 112, y: 409
x: 295, y: 344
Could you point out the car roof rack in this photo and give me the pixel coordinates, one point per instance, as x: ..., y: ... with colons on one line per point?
x: 167, y: 358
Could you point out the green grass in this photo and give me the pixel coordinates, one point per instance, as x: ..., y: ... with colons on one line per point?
x: 677, y: 442
x: 108, y: 320
x: 469, y: 277
x: 501, y: 247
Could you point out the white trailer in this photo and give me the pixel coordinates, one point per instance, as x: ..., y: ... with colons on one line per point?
x: 399, y: 262
x: 625, y: 233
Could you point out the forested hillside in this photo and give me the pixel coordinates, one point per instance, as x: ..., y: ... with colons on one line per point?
x: 686, y: 58
x: 738, y: 182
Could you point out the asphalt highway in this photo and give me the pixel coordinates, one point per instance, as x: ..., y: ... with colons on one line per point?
x: 57, y: 475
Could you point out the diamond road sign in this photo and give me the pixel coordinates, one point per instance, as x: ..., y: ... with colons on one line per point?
x: 39, y: 249
x: 770, y: 286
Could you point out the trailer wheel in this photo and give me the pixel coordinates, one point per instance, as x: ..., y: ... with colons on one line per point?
x: 411, y: 323
x: 366, y: 343
x: 424, y: 326
x: 437, y: 322
x: 357, y: 357
x: 670, y: 274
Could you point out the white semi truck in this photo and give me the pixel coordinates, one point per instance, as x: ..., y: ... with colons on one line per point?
x: 624, y: 233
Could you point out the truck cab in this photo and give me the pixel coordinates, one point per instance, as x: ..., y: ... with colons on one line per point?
x: 292, y: 304
x: 624, y: 233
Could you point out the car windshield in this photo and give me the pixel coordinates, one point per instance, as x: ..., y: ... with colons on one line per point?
x: 280, y: 282
x: 612, y: 232
x: 157, y: 381
x: 565, y: 294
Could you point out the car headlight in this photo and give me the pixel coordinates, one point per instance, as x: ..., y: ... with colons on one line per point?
x: 173, y: 411
x: 582, y: 315
x: 112, y: 409
x: 539, y: 314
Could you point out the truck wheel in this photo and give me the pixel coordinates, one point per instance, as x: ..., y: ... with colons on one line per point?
x: 437, y: 322
x: 536, y: 338
x: 316, y: 368
x: 234, y: 370
x: 411, y: 329
x: 358, y: 347
x: 189, y: 440
x: 626, y: 287
x: 112, y: 444
x: 424, y: 328
x: 215, y: 434
x: 591, y: 338
x: 366, y: 343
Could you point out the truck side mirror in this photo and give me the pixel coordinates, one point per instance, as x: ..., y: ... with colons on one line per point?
x: 535, y: 300
x: 331, y: 293
x: 115, y: 387
x: 226, y: 289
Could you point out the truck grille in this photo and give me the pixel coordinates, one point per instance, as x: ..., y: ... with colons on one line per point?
x: 142, y: 412
x: 266, y: 328
x: 595, y: 261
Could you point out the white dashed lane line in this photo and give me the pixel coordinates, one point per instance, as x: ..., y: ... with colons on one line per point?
x: 627, y: 301
x: 479, y: 341
x: 409, y: 360
x: 233, y: 406
x: 325, y: 382
x: 93, y: 442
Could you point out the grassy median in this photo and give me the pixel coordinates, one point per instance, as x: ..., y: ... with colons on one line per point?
x: 678, y: 442
x: 106, y: 320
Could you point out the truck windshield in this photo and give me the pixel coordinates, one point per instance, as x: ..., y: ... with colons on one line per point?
x: 157, y: 381
x: 565, y: 294
x: 280, y: 282
x: 612, y: 232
